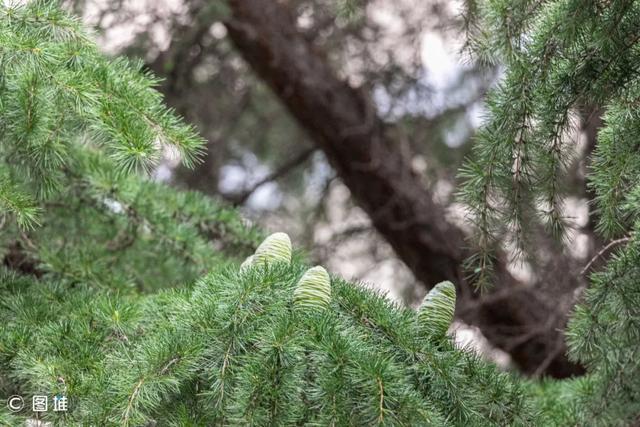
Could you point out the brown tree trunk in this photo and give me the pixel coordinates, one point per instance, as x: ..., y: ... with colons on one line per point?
x: 377, y: 169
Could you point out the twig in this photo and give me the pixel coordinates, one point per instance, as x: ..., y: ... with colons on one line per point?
x: 171, y: 362
x: 602, y: 252
x: 579, y: 290
x: 132, y: 398
x: 136, y: 390
x: 276, y: 174
x: 28, y: 241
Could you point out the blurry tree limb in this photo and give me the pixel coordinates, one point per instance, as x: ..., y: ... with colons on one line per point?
x: 281, y: 171
x: 342, y: 121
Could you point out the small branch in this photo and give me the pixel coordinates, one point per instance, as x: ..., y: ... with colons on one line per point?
x: 136, y: 389
x: 171, y: 362
x: 132, y: 398
x: 602, y: 251
x: 27, y: 240
x: 578, y: 292
x: 281, y: 171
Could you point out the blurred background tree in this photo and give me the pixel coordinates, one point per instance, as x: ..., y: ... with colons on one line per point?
x: 345, y: 123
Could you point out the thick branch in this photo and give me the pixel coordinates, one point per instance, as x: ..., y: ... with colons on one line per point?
x: 343, y: 123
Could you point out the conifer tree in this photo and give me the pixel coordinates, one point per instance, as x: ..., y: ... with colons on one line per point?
x: 128, y: 298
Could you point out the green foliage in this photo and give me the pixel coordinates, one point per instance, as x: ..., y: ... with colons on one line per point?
x: 604, y: 334
x: 348, y: 8
x: 127, y: 233
x: 57, y: 93
x: 235, y: 350
x: 560, y: 56
x: 97, y: 296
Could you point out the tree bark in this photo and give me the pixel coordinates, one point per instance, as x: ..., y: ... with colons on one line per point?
x: 342, y: 121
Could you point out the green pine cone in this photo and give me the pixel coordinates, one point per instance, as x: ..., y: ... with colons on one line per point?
x: 313, y: 290
x: 436, y: 311
x: 275, y: 248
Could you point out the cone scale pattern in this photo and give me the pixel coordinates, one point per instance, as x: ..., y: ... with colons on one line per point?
x: 313, y: 290
x: 275, y: 248
x: 436, y: 311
